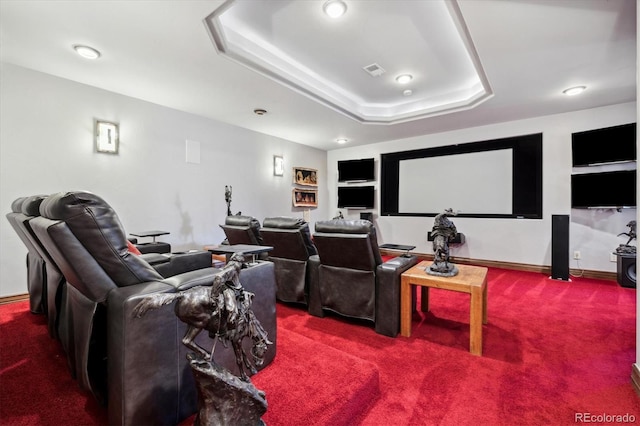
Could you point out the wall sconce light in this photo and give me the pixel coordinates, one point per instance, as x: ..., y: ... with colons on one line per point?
x: 278, y: 165
x: 107, y: 137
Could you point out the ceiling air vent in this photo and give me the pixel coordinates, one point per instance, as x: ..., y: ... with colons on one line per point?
x: 374, y: 70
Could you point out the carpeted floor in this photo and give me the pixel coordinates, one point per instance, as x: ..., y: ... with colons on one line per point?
x: 553, y: 351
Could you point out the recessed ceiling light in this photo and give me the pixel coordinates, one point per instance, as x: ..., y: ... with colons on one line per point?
x: 260, y: 111
x: 572, y: 91
x: 342, y: 141
x: 86, y: 51
x: 334, y: 8
x: 404, y: 78
x: 407, y: 92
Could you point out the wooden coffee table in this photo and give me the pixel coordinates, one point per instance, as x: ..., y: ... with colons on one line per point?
x: 470, y: 279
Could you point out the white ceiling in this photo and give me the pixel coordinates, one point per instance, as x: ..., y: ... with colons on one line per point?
x: 523, y: 53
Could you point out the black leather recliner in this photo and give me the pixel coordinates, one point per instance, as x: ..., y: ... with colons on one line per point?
x: 349, y: 278
x: 292, y: 246
x: 137, y: 365
x: 45, y: 281
x: 53, y: 278
x: 36, y: 274
x: 242, y: 230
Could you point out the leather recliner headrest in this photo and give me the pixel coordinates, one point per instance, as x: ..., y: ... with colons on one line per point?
x: 282, y: 222
x: 16, y: 206
x: 345, y: 226
x: 97, y: 227
x: 31, y: 205
x: 239, y: 220
x: 251, y: 222
x: 82, y: 210
x: 355, y: 226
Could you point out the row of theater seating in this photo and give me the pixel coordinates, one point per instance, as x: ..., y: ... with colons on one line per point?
x: 339, y: 269
x: 82, y: 276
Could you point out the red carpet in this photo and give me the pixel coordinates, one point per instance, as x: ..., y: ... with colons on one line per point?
x: 305, y: 368
x: 552, y: 350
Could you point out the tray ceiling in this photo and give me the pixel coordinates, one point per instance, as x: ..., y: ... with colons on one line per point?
x: 327, y: 59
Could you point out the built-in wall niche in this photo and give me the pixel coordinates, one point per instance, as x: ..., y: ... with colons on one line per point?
x: 499, y: 178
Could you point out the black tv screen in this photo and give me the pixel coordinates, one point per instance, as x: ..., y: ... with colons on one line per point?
x: 356, y: 170
x: 355, y: 197
x: 604, y: 190
x: 601, y: 146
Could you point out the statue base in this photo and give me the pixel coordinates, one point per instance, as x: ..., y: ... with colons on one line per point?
x: 224, y: 399
x: 443, y: 269
x: 624, y: 249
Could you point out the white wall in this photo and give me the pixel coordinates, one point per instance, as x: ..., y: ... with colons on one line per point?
x: 46, y: 146
x: 527, y: 241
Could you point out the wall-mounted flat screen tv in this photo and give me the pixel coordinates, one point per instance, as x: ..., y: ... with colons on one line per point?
x: 356, y: 170
x: 602, y: 146
x: 603, y: 190
x: 355, y: 197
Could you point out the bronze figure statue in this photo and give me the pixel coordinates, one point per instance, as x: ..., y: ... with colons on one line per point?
x: 626, y: 249
x: 224, y: 310
x: 632, y: 232
x: 227, y: 198
x: 443, y: 232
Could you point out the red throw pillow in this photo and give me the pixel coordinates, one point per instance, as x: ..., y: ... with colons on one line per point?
x: 133, y: 249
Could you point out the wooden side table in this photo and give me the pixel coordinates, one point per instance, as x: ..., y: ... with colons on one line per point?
x: 247, y: 249
x: 470, y: 279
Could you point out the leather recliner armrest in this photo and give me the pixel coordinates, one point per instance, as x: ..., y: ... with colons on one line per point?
x: 134, y: 375
x: 388, y: 294
x: 154, y: 259
x: 191, y: 279
x: 178, y: 263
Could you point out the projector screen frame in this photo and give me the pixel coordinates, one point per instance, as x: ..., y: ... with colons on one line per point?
x: 526, y: 177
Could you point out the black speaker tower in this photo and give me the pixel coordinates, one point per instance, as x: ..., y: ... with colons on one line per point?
x: 560, y: 247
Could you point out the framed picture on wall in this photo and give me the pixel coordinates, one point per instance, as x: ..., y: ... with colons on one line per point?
x: 304, y: 176
x: 303, y: 197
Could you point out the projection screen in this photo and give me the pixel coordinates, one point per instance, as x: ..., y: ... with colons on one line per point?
x: 478, y: 182
x: 499, y: 178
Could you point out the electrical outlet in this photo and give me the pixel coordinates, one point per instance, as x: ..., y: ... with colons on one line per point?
x: 613, y: 257
x: 576, y: 255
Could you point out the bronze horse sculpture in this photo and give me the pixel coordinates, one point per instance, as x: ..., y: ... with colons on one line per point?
x: 223, y: 309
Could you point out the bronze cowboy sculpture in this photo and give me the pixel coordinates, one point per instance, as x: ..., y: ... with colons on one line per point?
x: 224, y: 310
x: 443, y: 232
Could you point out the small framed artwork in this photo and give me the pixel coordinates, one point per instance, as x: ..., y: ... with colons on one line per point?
x: 303, y: 176
x: 303, y: 197
x: 278, y: 165
x: 107, y: 137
